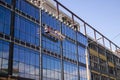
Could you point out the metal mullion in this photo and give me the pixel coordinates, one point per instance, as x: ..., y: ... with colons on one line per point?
x: 11, y: 45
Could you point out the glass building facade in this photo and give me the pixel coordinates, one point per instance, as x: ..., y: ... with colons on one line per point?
x: 27, y: 55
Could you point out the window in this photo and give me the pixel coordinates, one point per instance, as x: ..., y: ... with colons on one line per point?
x: 50, y: 21
x: 7, y: 1
x: 109, y: 56
x: 5, y: 17
x: 101, y: 50
x: 83, y: 73
x: 103, y: 66
x: 26, y: 30
x: 70, y: 71
x: 81, y: 54
x: 69, y: 32
x: 95, y: 76
x: 51, y: 45
x: 28, y: 8
x: 93, y: 46
x: 4, y: 56
x: 26, y: 62
x: 104, y: 78
x: 111, y: 70
x: 81, y: 39
x: 51, y: 68
x: 49, y: 42
x: 69, y: 49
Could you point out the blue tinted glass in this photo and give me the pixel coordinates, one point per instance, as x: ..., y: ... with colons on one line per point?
x: 1, y: 49
x: 28, y: 62
x: 81, y: 53
x: 26, y: 30
x: 16, y: 53
x: 7, y: 1
x: 32, y: 58
x: 28, y: 8
x: 7, y: 29
x: 27, y: 56
x: 66, y: 30
x: 81, y: 38
x: 51, y: 63
x: 21, y: 54
x: 6, y: 50
x: 5, y: 20
x: 37, y: 59
x: 69, y: 49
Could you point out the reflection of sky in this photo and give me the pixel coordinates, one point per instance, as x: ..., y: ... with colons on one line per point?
x: 54, y: 75
x: 24, y: 68
x: 4, y: 54
x: 83, y: 73
x: 5, y: 64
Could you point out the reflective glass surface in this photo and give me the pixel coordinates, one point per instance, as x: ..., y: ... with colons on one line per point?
x: 26, y: 30
x: 7, y: 1
x: 26, y: 62
x: 5, y: 19
x: 49, y: 42
x: 51, y: 68
x: 69, y: 49
x: 70, y: 71
x: 82, y: 54
x: 83, y: 73
x: 69, y: 32
x: 81, y: 38
x: 50, y: 21
x: 4, y: 56
x: 28, y: 8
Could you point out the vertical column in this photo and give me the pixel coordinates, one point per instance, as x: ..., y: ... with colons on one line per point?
x: 40, y: 33
x: 95, y: 35
x: 57, y: 9
x: 110, y: 45
x: 85, y: 30
x: 62, y: 61
x: 87, y: 63
x: 77, y: 57
x: 10, y: 63
x: 103, y: 41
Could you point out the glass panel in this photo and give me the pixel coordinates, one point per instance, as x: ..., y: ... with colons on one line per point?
x: 5, y: 18
x: 28, y: 8
x: 15, y: 68
x: 4, y: 66
x: 51, y: 68
x: 27, y: 62
x: 8, y: 1
x: 26, y: 30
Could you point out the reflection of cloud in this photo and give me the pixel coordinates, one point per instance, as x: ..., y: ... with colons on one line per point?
x: 71, y: 76
x: 5, y: 54
x: 83, y: 73
x: 55, y: 75
x: 51, y: 74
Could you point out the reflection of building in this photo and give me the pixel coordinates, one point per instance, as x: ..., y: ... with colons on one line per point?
x: 27, y: 52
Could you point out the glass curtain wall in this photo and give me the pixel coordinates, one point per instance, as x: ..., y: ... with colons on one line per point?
x: 69, y: 51
x: 4, y: 56
x: 26, y: 60
x: 5, y: 16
